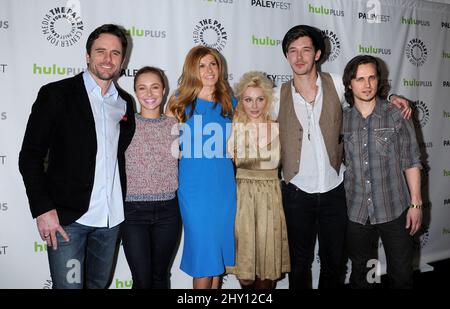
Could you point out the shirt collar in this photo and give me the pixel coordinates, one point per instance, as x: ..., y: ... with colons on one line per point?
x: 377, y: 110
x: 92, y: 86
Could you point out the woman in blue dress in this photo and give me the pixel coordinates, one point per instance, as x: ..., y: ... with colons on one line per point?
x: 203, y: 104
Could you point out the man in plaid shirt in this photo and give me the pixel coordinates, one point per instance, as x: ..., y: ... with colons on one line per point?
x: 380, y: 150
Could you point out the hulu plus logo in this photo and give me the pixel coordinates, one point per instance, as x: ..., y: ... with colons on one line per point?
x: 136, y: 32
x: 446, y: 114
x: 446, y: 173
x: 445, y: 55
x: 321, y: 10
x: 265, y: 41
x: 417, y: 83
x: 123, y: 284
x: 416, y: 22
x: 446, y: 231
x: 38, y: 248
x: 373, y: 50
x: 55, y: 70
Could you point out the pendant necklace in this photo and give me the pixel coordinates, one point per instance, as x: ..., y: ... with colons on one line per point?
x: 308, y: 115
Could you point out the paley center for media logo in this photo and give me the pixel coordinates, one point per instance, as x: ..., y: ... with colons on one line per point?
x: 416, y: 52
x: 62, y: 26
x: 210, y: 32
x: 278, y: 79
x: 333, y: 45
x: 372, y: 17
x: 272, y: 4
x: 3, y: 67
x: 421, y: 113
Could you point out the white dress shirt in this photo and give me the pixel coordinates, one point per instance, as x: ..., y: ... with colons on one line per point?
x: 315, y: 175
x: 106, y: 204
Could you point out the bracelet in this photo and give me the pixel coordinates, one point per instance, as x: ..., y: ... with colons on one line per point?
x: 417, y: 206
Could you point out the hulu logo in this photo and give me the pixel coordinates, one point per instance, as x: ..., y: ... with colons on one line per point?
x: 265, y: 41
x: 54, y: 70
x: 126, y: 284
x: 135, y: 32
x: 416, y: 83
x: 324, y: 11
x: 318, y: 10
x: 40, y: 247
x: 412, y: 21
x: 373, y: 50
x: 446, y: 173
x: 446, y: 114
x: 445, y: 231
x: 446, y: 55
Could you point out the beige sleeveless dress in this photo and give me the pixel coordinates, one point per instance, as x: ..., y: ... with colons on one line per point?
x: 260, y: 228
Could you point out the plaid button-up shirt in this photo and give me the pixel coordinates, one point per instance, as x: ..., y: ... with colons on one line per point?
x: 377, y: 151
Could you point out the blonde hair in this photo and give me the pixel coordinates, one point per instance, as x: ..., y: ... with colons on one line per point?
x: 253, y: 79
x: 190, y: 85
x: 243, y: 141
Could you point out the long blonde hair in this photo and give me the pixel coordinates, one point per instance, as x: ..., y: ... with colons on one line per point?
x: 190, y: 85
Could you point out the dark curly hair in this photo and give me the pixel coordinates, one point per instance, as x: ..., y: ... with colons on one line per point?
x: 298, y: 31
x: 350, y: 73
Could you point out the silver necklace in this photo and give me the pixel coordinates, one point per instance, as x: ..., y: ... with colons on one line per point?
x: 308, y: 115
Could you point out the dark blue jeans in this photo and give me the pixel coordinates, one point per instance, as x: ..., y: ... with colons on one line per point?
x: 150, y: 235
x: 362, y: 242
x: 310, y: 216
x: 86, y: 260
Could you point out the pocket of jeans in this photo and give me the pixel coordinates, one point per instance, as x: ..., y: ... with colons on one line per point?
x: 384, y: 138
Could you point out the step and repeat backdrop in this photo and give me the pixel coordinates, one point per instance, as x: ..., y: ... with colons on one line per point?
x: 44, y: 41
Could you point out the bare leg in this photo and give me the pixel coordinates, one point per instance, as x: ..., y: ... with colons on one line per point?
x: 215, y: 282
x: 203, y: 283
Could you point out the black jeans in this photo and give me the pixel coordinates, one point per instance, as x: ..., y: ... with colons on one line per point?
x: 308, y: 216
x: 362, y: 242
x: 150, y: 235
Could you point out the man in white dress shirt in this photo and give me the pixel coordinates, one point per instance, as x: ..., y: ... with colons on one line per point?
x: 84, y: 124
x: 309, y: 112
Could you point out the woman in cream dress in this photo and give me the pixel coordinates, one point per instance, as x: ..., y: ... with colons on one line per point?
x: 262, y: 254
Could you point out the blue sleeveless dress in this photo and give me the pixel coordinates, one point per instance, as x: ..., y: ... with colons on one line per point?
x: 207, y: 192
